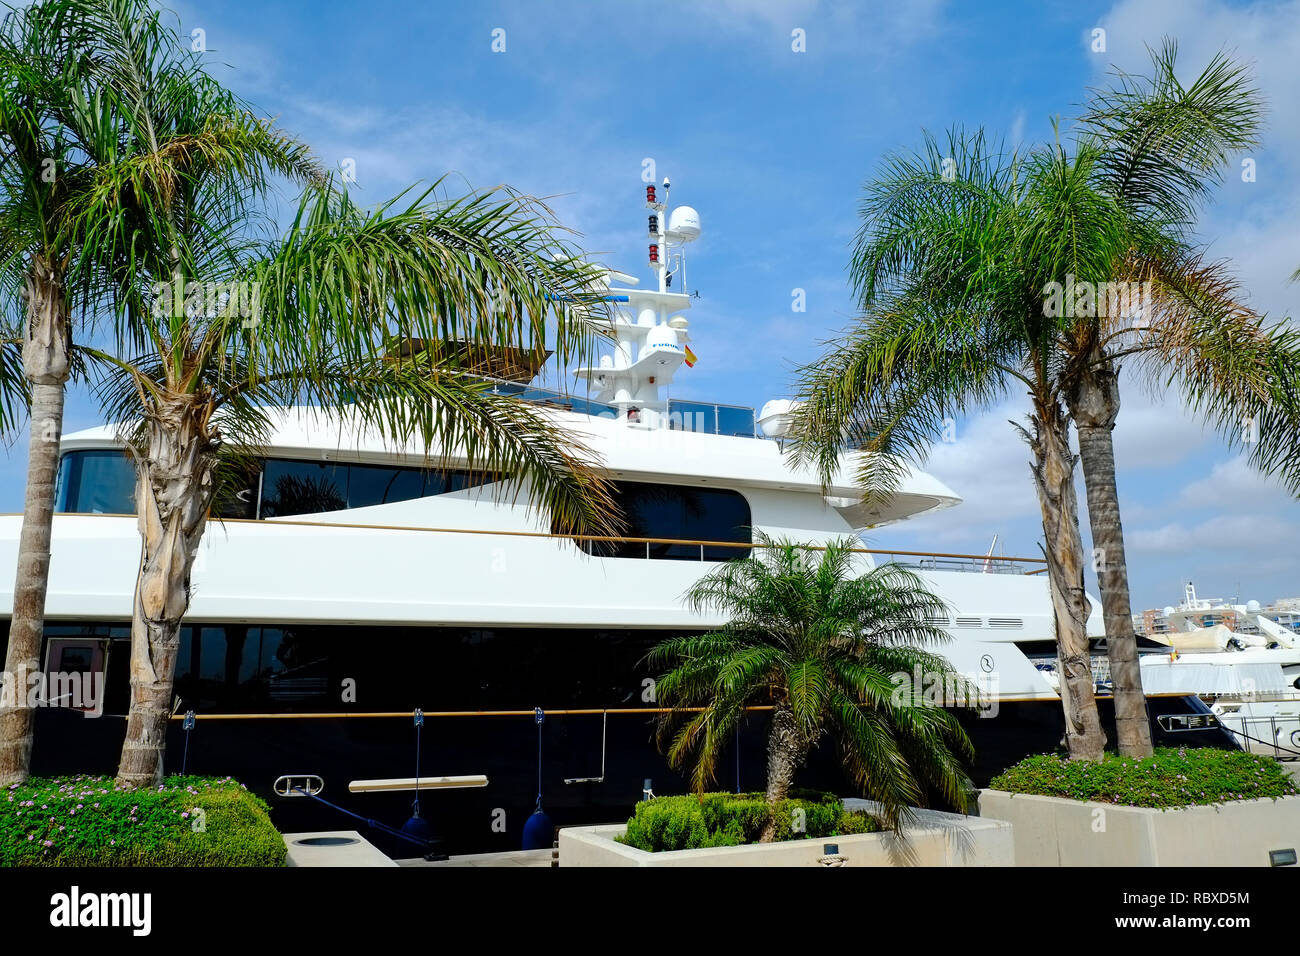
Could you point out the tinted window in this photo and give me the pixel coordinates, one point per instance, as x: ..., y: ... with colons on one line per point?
x: 236, y: 491
x: 303, y: 488
x: 670, y: 511
x: 96, y: 482
x: 377, y: 485
x: 103, y: 482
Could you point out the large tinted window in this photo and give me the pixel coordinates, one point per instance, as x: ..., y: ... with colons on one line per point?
x: 671, y: 511
x: 103, y: 482
x: 96, y: 482
x: 310, y: 487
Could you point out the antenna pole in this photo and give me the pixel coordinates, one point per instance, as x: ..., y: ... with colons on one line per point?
x: 662, y: 266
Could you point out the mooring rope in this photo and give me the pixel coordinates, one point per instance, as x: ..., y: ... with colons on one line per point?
x: 378, y: 825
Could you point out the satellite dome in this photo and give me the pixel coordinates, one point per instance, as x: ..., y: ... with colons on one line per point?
x: 1252, y: 607
x: 1168, y: 611
x: 684, y: 224
x: 776, y: 417
x: 662, y: 336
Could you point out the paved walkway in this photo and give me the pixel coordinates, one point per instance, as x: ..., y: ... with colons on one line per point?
x: 511, y: 858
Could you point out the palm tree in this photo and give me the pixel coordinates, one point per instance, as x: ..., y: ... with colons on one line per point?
x: 1117, y: 210
x: 364, y: 312
x: 50, y: 142
x: 835, y: 648
x: 71, y: 134
x: 949, y: 267
x: 1159, y: 148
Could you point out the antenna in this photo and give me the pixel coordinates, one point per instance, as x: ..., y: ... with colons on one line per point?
x: 988, y: 560
x: 664, y: 231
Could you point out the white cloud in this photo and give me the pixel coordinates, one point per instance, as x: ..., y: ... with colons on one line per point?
x: 1234, y: 483
x: 1017, y: 134
x: 1252, y: 536
x: 1267, y: 34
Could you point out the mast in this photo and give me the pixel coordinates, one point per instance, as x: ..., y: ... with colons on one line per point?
x: 650, y: 334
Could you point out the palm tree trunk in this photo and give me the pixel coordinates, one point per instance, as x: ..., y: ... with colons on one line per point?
x: 1094, y: 406
x: 785, y: 752
x: 45, y: 364
x: 1053, y: 473
x: 174, y: 483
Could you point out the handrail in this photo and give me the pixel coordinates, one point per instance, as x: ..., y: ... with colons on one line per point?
x: 607, y: 539
x: 579, y: 712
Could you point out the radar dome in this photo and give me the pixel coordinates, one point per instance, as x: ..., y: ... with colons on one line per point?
x: 684, y: 224
x: 776, y: 417
x: 1168, y: 611
x: 1252, y: 607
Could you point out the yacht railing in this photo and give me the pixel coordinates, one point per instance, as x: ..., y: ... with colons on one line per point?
x: 698, y: 548
x: 554, y: 399
x: 958, y: 561
x: 712, y: 418
x: 977, y: 564
x: 1278, y: 737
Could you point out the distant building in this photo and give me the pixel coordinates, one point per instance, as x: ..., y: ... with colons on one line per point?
x: 1284, y: 611
x: 1150, y: 623
x: 1197, y: 612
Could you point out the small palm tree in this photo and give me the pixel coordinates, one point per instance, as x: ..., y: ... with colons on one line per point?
x: 835, y: 649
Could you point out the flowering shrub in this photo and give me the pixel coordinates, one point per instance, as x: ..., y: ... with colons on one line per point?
x: 1180, y: 777
x: 90, y: 821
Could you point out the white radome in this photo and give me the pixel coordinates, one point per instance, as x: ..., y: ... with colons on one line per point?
x: 776, y: 417
x: 684, y: 224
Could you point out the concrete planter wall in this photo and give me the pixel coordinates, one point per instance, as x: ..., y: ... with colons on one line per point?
x: 936, y: 839
x: 1053, y: 831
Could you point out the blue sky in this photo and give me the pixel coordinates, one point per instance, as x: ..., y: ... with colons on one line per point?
x: 772, y: 147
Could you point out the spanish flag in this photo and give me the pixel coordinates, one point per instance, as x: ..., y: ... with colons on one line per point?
x: 690, y: 357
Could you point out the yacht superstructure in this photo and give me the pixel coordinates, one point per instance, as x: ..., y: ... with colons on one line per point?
x: 352, y: 582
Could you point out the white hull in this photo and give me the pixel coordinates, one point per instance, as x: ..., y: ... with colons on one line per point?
x: 479, y: 557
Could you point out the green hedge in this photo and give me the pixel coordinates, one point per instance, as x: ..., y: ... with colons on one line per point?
x: 1172, y: 778
x: 89, y: 821
x: 730, y: 819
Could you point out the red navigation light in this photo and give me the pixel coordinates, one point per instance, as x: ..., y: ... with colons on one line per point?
x: 650, y: 195
x: 654, y: 252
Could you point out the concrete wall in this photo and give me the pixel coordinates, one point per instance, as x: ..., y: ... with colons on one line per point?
x: 1053, y: 831
x: 936, y: 839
